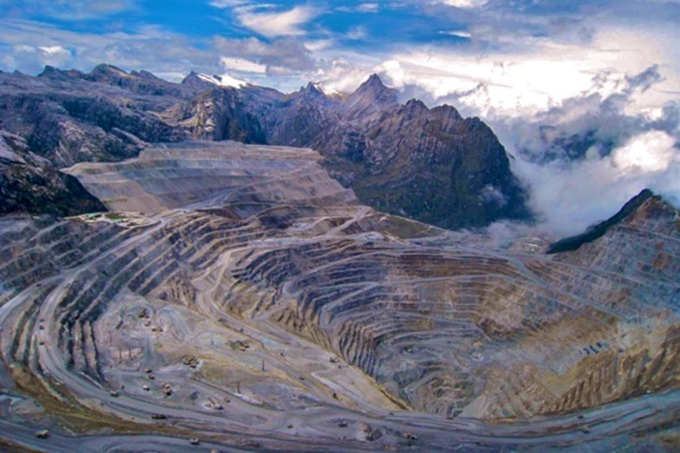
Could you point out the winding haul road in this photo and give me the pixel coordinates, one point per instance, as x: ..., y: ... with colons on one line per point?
x: 339, y: 406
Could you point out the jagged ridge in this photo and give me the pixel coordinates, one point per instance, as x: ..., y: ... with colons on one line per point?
x: 428, y: 164
x: 574, y: 242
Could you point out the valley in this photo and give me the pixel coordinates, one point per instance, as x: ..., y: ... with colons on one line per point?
x: 238, y: 296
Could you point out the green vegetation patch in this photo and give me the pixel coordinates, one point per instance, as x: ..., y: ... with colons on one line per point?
x: 113, y: 216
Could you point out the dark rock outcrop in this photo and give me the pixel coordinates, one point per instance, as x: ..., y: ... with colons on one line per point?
x: 61, y: 118
x: 69, y: 119
x: 428, y: 164
x: 644, y: 207
x: 29, y: 183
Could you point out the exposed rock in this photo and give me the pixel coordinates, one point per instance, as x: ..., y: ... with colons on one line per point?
x: 29, y: 183
x: 68, y: 118
x: 632, y: 208
x: 428, y: 164
x: 276, y: 253
x: 218, y: 114
x: 431, y: 165
x: 371, y: 98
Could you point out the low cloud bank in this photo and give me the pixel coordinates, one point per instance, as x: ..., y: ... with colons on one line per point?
x: 583, y: 158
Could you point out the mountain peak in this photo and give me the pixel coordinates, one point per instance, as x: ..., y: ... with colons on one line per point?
x: 191, y: 79
x: 54, y: 73
x: 371, y: 97
x: 374, y: 84
x: 312, y: 88
x: 375, y: 78
x: 143, y: 74
x: 318, y: 89
x: 107, y: 68
x: 104, y: 72
x: 644, y: 207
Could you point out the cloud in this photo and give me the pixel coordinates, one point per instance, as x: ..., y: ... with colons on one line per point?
x: 273, y: 24
x: 570, y: 196
x: 533, y: 77
x: 54, y: 50
x: 649, y: 152
x: 459, y: 34
x: 243, y: 65
x: 586, y: 157
x: 342, y: 75
x: 318, y: 44
x: 357, y: 32
x: 282, y: 55
x: 28, y: 46
x: 463, y: 3
x: 37, y: 56
x: 361, y: 8
x: 68, y: 10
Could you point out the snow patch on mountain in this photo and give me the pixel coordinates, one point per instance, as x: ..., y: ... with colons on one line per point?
x: 224, y: 80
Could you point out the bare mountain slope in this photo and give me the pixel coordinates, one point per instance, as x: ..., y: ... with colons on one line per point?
x: 431, y: 165
x: 427, y: 164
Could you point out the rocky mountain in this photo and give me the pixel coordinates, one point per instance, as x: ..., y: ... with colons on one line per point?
x: 428, y: 164
x: 371, y: 98
x: 69, y: 117
x: 596, y: 231
x: 60, y: 118
x: 31, y: 183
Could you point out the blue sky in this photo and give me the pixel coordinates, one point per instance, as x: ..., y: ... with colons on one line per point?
x: 283, y: 43
x: 608, y: 69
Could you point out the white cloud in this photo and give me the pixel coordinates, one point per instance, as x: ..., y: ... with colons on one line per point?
x: 586, y: 157
x: 536, y: 76
x: 572, y: 197
x: 460, y: 34
x: 357, y: 32
x: 275, y: 23
x: 51, y: 50
x: 650, y: 152
x: 222, y: 4
x: 463, y: 3
x: 318, y: 45
x: 342, y: 75
x: 361, y: 8
x: 241, y: 64
x: 368, y: 7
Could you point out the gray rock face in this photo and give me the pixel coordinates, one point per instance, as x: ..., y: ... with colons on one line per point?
x: 30, y: 183
x: 371, y: 98
x: 428, y: 164
x: 61, y: 118
x: 68, y: 118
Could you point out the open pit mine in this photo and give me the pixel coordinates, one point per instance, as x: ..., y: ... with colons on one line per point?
x: 237, y: 298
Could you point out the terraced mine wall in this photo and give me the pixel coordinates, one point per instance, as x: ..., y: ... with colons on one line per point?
x: 261, y: 301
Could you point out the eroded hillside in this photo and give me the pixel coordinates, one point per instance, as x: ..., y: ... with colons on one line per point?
x: 239, y: 295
